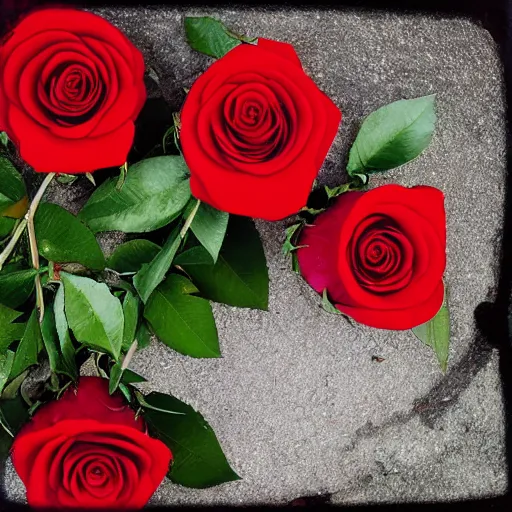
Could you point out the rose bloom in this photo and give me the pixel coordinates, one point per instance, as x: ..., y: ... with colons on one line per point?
x: 87, y: 450
x: 71, y: 87
x: 255, y: 130
x: 380, y: 255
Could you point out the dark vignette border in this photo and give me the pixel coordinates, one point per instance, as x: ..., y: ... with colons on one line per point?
x: 493, y: 319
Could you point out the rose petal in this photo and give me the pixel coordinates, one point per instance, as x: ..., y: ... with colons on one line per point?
x: 289, y: 176
x: 73, y: 21
x: 285, y: 50
x: 398, y: 319
x: 38, y: 147
x: 318, y: 261
x: 33, y: 449
x: 21, y: 56
x: 127, y: 99
x: 89, y: 400
x: 410, y: 208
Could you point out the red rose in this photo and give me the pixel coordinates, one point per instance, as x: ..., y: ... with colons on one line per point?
x: 255, y: 130
x: 380, y: 254
x: 88, y: 450
x: 71, y: 86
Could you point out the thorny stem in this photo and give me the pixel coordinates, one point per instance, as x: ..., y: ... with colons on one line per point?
x: 29, y: 217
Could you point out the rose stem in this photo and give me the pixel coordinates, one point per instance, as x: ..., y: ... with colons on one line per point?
x: 33, y: 242
x: 184, y: 229
x: 189, y: 220
x: 4, y: 255
x: 129, y: 355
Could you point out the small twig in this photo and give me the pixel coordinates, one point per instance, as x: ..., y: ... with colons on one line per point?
x: 34, y: 252
x: 129, y: 355
x: 189, y: 220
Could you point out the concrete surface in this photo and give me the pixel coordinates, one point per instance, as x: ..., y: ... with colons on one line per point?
x: 298, y: 404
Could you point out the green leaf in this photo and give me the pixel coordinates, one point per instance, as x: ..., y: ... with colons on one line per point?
x: 183, y: 322
x: 143, y: 336
x: 337, y: 191
x: 199, y: 461
x: 327, y: 304
x: 130, y: 256
x: 9, y: 331
x: 240, y: 276
x: 66, y: 179
x: 16, y: 287
x: 393, y: 135
x: 62, y: 238
x: 67, y: 348
x: 30, y: 345
x: 6, y: 362
x: 209, y: 36
x: 52, y: 345
x: 6, y: 226
x: 292, y: 233
x: 312, y: 211
x: 209, y: 226
x: 196, y: 255
x: 130, y: 377
x: 13, y: 414
x: 126, y: 391
x: 436, y: 334
x: 4, y: 139
x: 12, y: 187
x: 94, y: 315
x: 153, y: 273
x: 116, y: 372
x: 13, y: 388
x: 142, y: 401
x: 131, y: 306
x: 154, y: 193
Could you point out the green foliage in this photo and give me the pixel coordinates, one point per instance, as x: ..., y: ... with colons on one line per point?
x: 209, y: 226
x: 13, y: 414
x: 62, y: 238
x: 210, y: 36
x: 292, y: 234
x: 29, y: 347
x: 327, y: 305
x: 181, y: 320
x: 58, y: 363
x: 240, y: 276
x: 131, y: 306
x: 16, y: 287
x: 436, y: 334
x: 199, y: 461
x: 153, y: 273
x: 6, y: 226
x: 94, y: 315
x: 10, y: 331
x: 67, y: 349
x: 393, y: 135
x: 154, y: 193
x: 6, y: 362
x: 12, y: 187
x: 130, y: 256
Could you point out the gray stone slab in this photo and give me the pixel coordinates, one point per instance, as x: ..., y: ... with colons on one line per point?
x: 298, y: 404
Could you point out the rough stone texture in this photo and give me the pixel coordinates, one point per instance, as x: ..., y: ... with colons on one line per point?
x: 298, y: 404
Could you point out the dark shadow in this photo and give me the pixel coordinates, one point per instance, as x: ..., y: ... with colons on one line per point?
x: 493, y: 319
